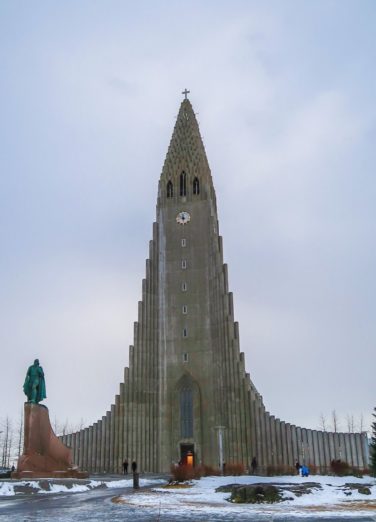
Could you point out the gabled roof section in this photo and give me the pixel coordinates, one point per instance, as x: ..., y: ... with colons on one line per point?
x: 186, y: 150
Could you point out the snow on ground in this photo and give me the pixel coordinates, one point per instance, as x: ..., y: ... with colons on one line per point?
x: 329, y: 499
x: 15, y: 487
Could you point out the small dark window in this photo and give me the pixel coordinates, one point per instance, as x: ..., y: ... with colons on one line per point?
x: 170, y: 189
x: 183, y: 184
x: 196, y: 186
x: 185, y: 333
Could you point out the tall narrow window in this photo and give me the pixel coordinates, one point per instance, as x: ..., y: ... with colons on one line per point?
x: 196, y: 186
x: 186, y: 413
x: 185, y: 357
x: 184, y: 309
x: 184, y: 287
x: 183, y: 184
x: 185, y: 333
x: 183, y: 242
x: 184, y: 264
x: 170, y: 189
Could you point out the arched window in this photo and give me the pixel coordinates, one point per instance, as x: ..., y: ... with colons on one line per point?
x: 186, y: 412
x: 183, y: 184
x: 170, y: 189
x: 196, y: 186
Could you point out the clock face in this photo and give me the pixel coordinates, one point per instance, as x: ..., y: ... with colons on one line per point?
x: 183, y: 217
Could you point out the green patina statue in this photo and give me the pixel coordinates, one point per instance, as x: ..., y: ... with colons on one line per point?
x: 34, y: 386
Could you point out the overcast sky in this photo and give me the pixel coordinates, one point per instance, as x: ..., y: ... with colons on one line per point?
x: 285, y: 96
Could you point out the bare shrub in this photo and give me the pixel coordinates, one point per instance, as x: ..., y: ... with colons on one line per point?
x: 198, y: 472
x: 234, y: 469
x: 340, y: 468
x: 209, y: 471
x: 182, y: 473
x: 313, y: 469
x: 281, y: 469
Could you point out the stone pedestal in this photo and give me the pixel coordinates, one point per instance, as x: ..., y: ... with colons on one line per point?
x: 44, y: 454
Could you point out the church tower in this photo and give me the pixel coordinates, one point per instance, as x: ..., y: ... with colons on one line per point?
x: 202, y: 386
x: 186, y: 395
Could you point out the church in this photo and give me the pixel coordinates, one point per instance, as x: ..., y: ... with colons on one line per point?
x: 186, y: 393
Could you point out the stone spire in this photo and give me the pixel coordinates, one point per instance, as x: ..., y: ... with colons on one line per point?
x: 186, y: 151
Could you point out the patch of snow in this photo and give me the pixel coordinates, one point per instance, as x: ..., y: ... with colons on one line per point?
x: 61, y: 488
x: 128, y: 483
x: 124, y: 483
x: 327, y: 498
x: 6, y: 489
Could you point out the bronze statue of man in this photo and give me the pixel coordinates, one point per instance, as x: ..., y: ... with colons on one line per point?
x: 34, y: 386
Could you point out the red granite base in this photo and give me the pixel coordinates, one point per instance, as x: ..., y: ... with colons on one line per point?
x: 31, y: 475
x: 44, y: 456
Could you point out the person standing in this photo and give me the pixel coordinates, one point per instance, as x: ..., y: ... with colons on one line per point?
x: 125, y: 467
x: 254, y: 465
x: 134, y: 466
x: 297, y: 467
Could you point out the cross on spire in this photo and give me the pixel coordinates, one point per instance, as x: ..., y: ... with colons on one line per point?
x: 185, y: 92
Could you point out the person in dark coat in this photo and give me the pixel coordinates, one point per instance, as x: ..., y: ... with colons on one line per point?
x: 297, y: 467
x: 134, y: 466
x: 125, y: 467
x: 254, y: 465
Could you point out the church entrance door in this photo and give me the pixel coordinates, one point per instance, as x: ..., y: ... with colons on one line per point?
x: 187, y: 455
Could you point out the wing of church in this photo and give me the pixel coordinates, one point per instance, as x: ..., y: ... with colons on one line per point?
x: 186, y: 393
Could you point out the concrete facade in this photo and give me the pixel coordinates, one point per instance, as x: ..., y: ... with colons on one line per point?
x: 186, y: 388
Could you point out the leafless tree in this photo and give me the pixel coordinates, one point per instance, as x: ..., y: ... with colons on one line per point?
x: 61, y: 428
x: 79, y: 426
x: 65, y: 428
x: 350, y: 423
x: 335, y: 422
x: 20, y: 434
x: 6, y: 442
x: 361, y: 422
x: 55, y: 426
x: 322, y: 422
